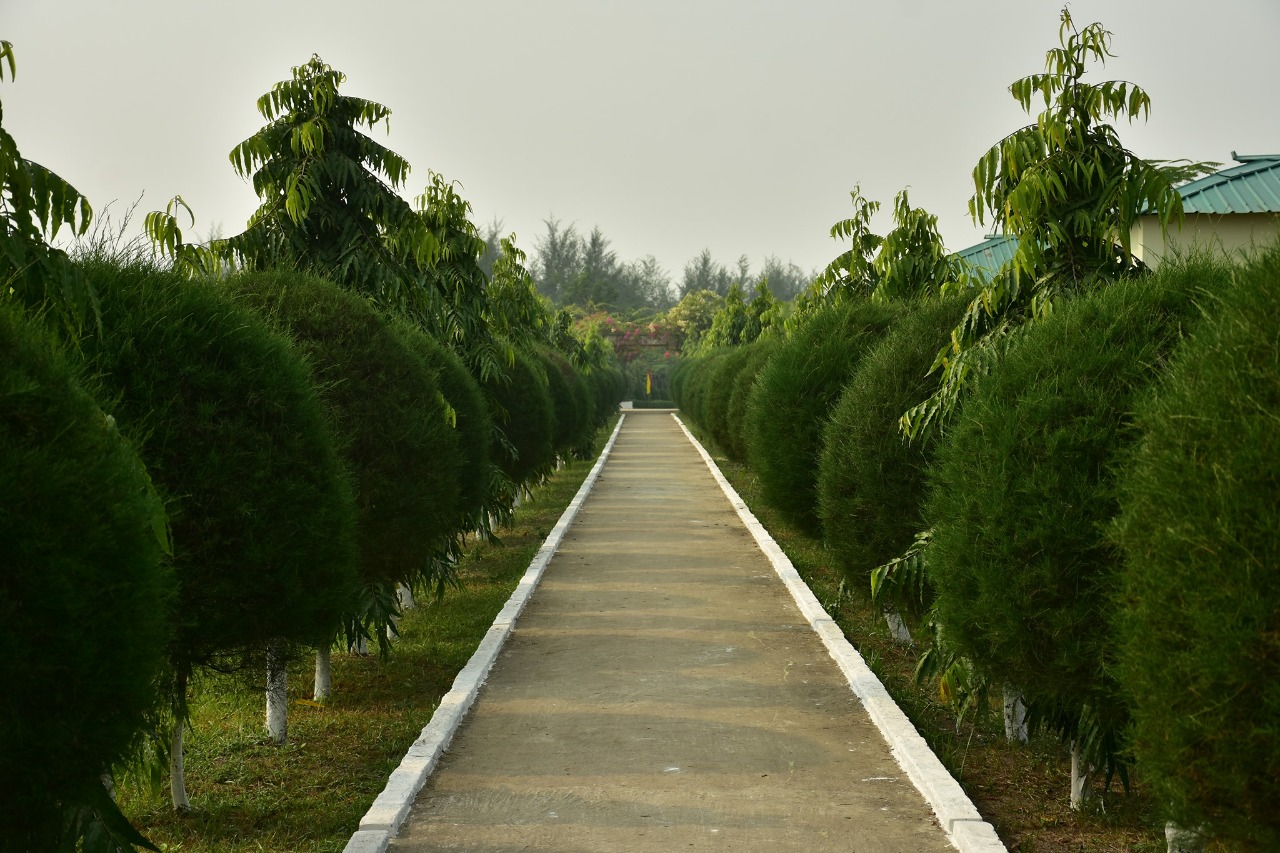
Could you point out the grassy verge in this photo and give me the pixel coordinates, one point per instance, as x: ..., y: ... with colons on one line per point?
x: 1020, y: 789
x: 310, y: 794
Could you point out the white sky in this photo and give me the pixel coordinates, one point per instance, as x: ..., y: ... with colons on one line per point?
x: 674, y: 126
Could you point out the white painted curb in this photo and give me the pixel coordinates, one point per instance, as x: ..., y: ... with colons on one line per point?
x: 957, y: 814
x: 391, y: 807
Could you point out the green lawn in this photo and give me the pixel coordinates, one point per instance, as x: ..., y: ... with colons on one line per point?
x: 310, y: 794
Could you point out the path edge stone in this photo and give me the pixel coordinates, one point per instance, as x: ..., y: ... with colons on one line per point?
x: 383, y: 819
x: 958, y: 816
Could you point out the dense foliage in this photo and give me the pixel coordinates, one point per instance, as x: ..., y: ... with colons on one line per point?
x: 84, y: 594
x: 1199, y: 595
x: 523, y: 409
x: 740, y: 395
x: 1067, y: 189
x: 794, y: 395
x: 226, y: 416
x: 870, y: 479
x: 1023, y: 487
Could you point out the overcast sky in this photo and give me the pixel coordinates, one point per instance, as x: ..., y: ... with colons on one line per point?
x: 734, y: 125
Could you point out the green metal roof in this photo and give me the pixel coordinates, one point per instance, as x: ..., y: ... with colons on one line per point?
x: 990, y: 255
x: 1253, y: 186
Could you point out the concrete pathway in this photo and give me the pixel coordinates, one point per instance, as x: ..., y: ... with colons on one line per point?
x: 663, y: 691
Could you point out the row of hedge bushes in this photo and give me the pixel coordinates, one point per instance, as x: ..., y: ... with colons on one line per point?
x: 223, y: 467
x: 1103, y: 512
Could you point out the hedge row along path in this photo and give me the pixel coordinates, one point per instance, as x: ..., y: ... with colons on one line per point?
x: 662, y: 690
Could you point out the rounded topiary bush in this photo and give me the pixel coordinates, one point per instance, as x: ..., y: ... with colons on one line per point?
x: 758, y: 353
x: 384, y: 399
x: 1022, y: 487
x: 473, y: 425
x: 793, y: 397
x: 523, y: 411
x: 720, y: 390
x: 84, y: 591
x: 574, y: 412
x: 679, y: 378
x: 700, y: 385
x: 870, y: 479
x: 226, y: 415
x: 1199, y: 595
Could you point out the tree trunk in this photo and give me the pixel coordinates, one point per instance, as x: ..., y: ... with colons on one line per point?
x: 1015, y: 715
x: 177, y: 782
x: 897, y: 628
x: 405, y: 597
x: 324, y: 675
x: 1180, y: 840
x: 277, y: 694
x: 1081, y: 774
x: 360, y: 647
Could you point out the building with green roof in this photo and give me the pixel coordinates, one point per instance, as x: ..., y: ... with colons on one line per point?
x: 1229, y: 212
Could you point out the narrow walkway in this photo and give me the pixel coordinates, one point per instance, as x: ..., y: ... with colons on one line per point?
x: 662, y: 691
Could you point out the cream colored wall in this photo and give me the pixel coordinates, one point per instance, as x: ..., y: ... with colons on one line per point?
x: 1230, y: 234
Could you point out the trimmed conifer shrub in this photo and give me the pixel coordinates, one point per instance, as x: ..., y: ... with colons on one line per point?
x: 871, y: 480
x: 473, y: 425
x: 228, y: 420
x: 758, y: 353
x: 390, y: 415
x: 793, y: 398
x: 698, y: 391
x: 719, y: 390
x: 523, y: 411
x: 574, y: 412
x: 679, y: 377
x: 1022, y: 487
x: 230, y: 425
x: 84, y: 591
x: 1199, y: 594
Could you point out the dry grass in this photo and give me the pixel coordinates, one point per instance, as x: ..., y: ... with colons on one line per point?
x: 310, y: 794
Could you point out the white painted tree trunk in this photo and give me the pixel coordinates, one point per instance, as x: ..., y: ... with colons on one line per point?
x: 1180, y: 840
x: 1081, y: 774
x: 1015, y: 715
x: 277, y: 694
x: 360, y: 647
x: 177, y: 782
x: 108, y: 782
x: 405, y: 596
x: 324, y: 675
x: 897, y: 628
x: 519, y: 500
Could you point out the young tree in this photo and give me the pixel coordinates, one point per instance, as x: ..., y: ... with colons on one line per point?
x: 851, y: 273
x: 912, y: 261
x: 34, y: 204
x: 329, y: 192
x: 1069, y: 191
x: 456, y: 301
